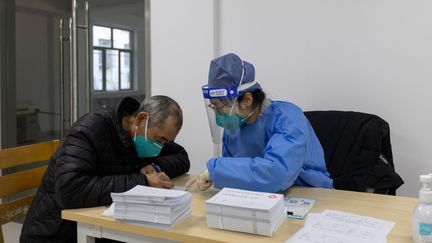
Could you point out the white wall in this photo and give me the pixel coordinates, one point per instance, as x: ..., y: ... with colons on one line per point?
x: 181, y: 49
x: 372, y: 56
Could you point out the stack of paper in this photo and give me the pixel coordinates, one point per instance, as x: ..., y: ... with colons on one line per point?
x: 246, y: 211
x: 152, y: 206
x: 335, y: 226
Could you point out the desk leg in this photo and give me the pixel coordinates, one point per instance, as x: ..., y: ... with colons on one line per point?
x: 86, y: 233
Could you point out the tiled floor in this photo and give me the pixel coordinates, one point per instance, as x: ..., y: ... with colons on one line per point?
x: 11, y: 232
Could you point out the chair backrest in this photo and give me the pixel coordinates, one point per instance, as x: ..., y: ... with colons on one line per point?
x: 13, y: 183
x: 357, y: 150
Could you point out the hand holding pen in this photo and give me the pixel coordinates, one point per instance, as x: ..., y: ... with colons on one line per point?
x: 151, y: 168
x: 155, y: 177
x: 156, y: 167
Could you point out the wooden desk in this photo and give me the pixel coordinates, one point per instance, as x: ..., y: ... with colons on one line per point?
x: 194, y: 228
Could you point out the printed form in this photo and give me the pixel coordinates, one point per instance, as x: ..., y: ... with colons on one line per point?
x: 332, y: 226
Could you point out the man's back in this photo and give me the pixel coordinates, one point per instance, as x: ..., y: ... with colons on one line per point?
x: 96, y: 157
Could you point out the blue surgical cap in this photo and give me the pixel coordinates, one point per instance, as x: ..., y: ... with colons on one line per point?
x: 226, y: 71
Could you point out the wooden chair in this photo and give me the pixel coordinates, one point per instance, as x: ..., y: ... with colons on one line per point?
x: 23, y: 180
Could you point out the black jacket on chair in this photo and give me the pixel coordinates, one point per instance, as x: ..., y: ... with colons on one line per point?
x: 357, y: 150
x: 96, y: 157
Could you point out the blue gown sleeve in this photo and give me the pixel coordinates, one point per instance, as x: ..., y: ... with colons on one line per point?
x: 275, y: 171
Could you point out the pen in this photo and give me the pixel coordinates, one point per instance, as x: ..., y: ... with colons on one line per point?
x: 156, y: 167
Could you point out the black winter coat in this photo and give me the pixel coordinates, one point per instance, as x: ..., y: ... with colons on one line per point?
x: 96, y: 157
x: 357, y: 150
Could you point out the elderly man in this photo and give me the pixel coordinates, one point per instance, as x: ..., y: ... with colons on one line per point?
x: 110, y: 150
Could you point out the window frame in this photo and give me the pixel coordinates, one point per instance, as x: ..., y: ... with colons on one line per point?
x: 104, y: 59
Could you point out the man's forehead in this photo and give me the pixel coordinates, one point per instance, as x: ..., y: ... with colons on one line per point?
x: 168, y: 129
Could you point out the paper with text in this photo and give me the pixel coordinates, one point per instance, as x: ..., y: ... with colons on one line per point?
x: 340, y: 227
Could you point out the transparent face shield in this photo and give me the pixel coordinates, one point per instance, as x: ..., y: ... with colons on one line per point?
x: 222, y: 108
x: 218, y: 103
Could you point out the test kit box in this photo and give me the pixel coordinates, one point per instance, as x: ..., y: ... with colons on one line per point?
x: 246, y: 211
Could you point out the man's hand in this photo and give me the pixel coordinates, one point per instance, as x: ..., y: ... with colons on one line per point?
x: 148, y: 169
x: 160, y: 179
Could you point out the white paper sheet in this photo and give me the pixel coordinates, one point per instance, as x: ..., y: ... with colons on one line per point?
x: 340, y: 227
x: 151, y: 192
x: 151, y: 206
x: 310, y: 236
x: 109, y: 212
x: 161, y: 226
x: 151, y: 195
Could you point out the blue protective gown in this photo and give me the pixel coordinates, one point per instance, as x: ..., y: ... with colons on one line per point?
x: 278, y: 150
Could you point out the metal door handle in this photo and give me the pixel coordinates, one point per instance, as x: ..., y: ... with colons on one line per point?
x: 74, y: 60
x: 73, y: 72
x: 87, y: 29
x: 88, y: 58
x: 61, y: 52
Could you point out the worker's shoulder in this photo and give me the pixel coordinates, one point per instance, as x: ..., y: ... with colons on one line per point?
x: 286, y: 107
x: 287, y: 115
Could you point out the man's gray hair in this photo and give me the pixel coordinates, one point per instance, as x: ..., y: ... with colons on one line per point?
x: 161, y: 107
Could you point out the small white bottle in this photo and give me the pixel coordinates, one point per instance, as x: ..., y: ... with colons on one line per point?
x: 422, y: 214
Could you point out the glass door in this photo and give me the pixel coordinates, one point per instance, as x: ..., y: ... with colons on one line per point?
x: 118, y: 59
x: 68, y: 57
x: 37, y: 64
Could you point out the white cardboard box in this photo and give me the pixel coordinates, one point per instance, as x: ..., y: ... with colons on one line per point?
x: 248, y: 225
x: 246, y: 211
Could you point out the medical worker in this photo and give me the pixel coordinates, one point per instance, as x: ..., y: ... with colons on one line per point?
x: 267, y: 145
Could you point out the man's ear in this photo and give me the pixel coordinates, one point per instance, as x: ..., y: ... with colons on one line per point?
x: 140, y: 118
x: 247, y: 101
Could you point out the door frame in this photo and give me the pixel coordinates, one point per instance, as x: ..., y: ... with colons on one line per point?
x: 7, y: 74
x: 147, y: 49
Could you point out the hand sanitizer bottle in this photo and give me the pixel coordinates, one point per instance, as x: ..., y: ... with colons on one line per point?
x: 422, y: 214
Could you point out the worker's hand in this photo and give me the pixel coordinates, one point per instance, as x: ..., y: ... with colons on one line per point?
x: 202, y: 181
x: 148, y: 169
x: 160, y: 180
